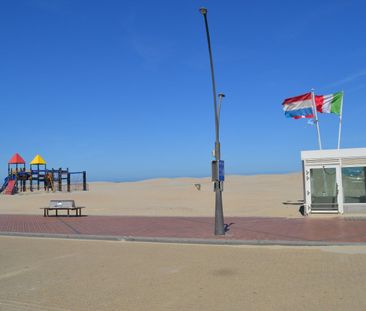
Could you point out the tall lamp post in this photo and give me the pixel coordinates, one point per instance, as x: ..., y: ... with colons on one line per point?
x: 218, y: 164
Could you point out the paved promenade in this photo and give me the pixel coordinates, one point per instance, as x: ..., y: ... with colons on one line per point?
x: 241, y: 230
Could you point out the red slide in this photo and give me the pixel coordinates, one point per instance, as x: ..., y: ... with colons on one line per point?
x: 10, y: 187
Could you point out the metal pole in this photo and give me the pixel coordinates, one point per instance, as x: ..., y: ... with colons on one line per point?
x: 221, y: 96
x: 340, y: 123
x: 325, y: 184
x: 68, y: 182
x: 37, y: 176
x: 84, y: 181
x: 219, y: 214
x: 59, y: 179
x: 316, y: 119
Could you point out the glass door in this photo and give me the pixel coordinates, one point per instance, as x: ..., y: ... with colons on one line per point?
x: 324, y: 189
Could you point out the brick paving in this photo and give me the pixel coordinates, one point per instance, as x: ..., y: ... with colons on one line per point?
x: 307, y: 229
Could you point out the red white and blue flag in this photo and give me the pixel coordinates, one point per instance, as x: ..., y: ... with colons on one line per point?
x: 299, y: 107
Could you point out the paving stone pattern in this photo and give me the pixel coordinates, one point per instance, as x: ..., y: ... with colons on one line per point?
x: 336, y: 229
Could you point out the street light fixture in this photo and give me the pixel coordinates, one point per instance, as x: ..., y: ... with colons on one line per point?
x: 203, y: 11
x: 218, y: 164
x: 221, y: 96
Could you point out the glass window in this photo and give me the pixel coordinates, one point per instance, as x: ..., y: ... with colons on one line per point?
x: 323, y: 185
x: 354, y: 184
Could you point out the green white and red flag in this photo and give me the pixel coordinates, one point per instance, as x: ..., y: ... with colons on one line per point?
x: 331, y: 103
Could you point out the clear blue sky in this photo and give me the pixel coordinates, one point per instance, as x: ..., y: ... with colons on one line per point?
x: 122, y: 89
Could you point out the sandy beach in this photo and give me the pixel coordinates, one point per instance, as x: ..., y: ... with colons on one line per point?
x: 67, y: 274
x: 258, y: 195
x: 100, y: 95
x: 56, y: 274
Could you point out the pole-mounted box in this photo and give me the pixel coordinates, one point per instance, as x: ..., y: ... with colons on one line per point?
x: 218, y: 170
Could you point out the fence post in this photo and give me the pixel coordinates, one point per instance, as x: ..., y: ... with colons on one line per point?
x: 84, y: 181
x: 59, y: 179
x: 68, y: 182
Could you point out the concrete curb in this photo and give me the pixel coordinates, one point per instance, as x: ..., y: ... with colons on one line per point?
x: 240, y: 242
x: 181, y: 240
x: 63, y: 236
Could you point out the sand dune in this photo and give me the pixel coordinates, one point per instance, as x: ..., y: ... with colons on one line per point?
x: 258, y: 195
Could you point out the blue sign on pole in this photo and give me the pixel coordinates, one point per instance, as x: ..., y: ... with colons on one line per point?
x: 221, y: 171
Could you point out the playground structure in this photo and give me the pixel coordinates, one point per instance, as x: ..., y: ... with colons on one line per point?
x: 39, y: 177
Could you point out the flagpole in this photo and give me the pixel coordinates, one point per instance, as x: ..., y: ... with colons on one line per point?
x: 316, y: 119
x: 325, y: 184
x: 340, y: 123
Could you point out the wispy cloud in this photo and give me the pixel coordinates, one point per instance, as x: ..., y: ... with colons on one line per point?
x: 348, y: 79
x: 151, y: 49
x: 151, y: 53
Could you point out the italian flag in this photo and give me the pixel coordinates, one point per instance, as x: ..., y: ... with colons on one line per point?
x: 331, y: 103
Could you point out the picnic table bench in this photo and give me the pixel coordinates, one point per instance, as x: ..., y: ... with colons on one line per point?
x: 57, y: 205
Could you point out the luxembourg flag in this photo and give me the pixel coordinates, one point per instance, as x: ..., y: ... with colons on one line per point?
x: 331, y: 103
x: 299, y: 107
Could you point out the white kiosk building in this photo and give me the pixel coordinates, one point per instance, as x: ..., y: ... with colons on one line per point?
x: 334, y: 181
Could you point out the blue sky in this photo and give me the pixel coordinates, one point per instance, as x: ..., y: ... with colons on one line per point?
x: 122, y: 89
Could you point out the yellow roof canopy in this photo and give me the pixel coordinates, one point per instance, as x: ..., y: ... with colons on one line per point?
x: 38, y: 160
